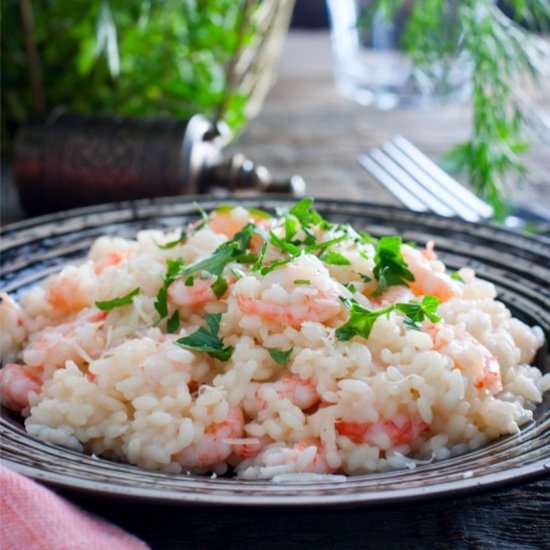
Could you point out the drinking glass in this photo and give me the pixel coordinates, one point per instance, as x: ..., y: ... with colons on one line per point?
x: 373, y: 68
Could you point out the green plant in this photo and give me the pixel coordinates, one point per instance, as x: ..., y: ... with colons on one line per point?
x: 502, y: 54
x: 132, y: 57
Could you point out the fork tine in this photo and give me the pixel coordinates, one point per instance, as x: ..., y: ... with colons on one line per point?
x: 430, y: 184
x: 391, y: 184
x: 458, y: 191
x: 432, y: 202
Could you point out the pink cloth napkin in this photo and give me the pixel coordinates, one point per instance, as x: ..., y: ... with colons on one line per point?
x: 33, y: 517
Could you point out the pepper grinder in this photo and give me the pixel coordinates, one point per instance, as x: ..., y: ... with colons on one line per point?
x: 74, y: 160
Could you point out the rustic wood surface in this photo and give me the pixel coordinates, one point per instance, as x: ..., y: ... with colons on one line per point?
x: 307, y: 128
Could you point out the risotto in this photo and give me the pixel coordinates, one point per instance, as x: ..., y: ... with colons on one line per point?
x: 265, y: 345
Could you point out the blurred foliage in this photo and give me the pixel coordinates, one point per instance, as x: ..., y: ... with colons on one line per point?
x: 502, y: 54
x: 131, y: 57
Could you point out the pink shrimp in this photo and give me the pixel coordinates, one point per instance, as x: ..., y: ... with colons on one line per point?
x: 72, y: 340
x: 429, y: 251
x: 113, y: 258
x: 307, y: 455
x: 227, y: 224
x: 212, y: 448
x: 74, y: 289
x: 395, y: 294
x: 490, y: 377
x: 14, y: 325
x: 248, y: 448
x: 16, y: 383
x: 199, y: 293
x: 486, y: 371
x: 428, y: 281
x: 400, y: 430
x: 320, y: 308
x: 298, y: 391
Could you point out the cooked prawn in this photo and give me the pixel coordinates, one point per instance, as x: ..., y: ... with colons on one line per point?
x: 74, y: 340
x: 212, y: 448
x: 247, y: 448
x: 199, y: 293
x: 486, y: 370
x: 400, y: 430
x: 320, y: 307
x: 298, y: 391
x: 74, y: 289
x: 231, y: 222
x: 114, y: 258
x: 427, y: 279
x: 16, y: 383
x: 13, y: 322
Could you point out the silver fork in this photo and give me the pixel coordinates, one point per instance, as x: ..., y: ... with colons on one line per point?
x: 422, y: 186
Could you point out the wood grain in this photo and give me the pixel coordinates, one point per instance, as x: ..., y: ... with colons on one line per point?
x: 511, y: 519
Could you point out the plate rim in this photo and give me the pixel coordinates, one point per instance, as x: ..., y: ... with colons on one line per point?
x: 484, y: 482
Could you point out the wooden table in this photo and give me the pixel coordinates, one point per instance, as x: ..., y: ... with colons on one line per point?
x: 307, y: 128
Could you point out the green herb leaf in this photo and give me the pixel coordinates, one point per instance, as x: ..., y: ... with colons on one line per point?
x: 290, y: 228
x: 456, y: 276
x: 173, y: 323
x: 237, y: 273
x: 274, y: 265
x: 360, y: 322
x: 161, y: 303
x: 306, y: 215
x: 285, y: 246
x: 302, y: 282
x: 334, y: 258
x: 327, y: 244
x: 259, y: 261
x: 173, y: 269
x: 390, y: 267
x: 118, y: 302
x: 415, y: 311
x: 279, y: 356
x: 220, y: 286
x: 181, y: 239
x: 207, y: 340
x: 256, y: 212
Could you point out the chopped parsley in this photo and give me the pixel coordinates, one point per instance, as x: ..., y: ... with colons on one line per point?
x: 207, y: 340
x: 416, y: 311
x: 173, y: 323
x: 362, y: 320
x: 457, y: 277
x: 364, y: 278
x: 275, y: 264
x: 256, y: 212
x: 220, y: 286
x: 291, y: 228
x: 285, y: 246
x: 118, y: 302
x: 237, y: 273
x: 390, y: 267
x: 307, y: 217
x: 280, y: 356
x: 334, y: 258
x: 174, y: 267
x: 189, y: 281
x: 302, y: 282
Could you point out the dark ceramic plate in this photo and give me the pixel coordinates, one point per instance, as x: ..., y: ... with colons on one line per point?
x: 518, y: 265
